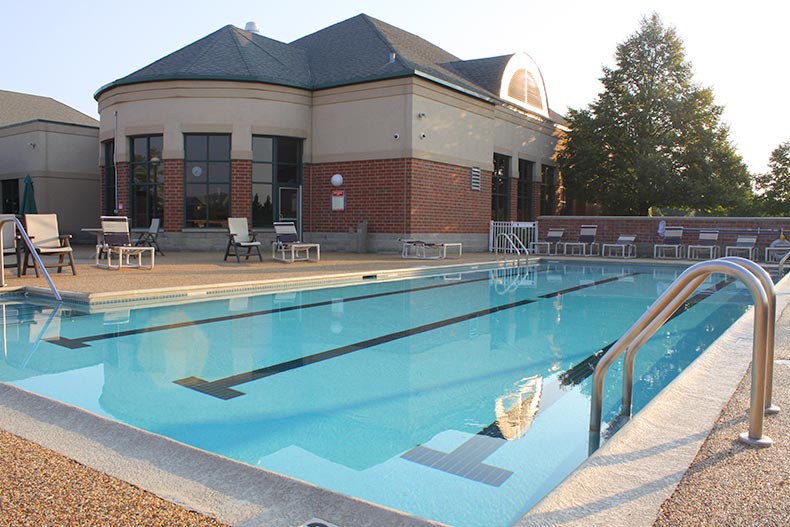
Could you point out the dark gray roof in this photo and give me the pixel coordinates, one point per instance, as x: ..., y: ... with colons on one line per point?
x: 18, y: 108
x: 229, y: 53
x: 356, y: 50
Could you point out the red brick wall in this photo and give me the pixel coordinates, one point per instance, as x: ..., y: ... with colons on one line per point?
x: 241, y: 189
x: 122, y: 172
x: 646, y: 229
x: 174, y: 195
x: 397, y: 196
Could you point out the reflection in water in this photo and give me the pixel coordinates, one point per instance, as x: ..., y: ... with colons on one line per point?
x: 516, y: 410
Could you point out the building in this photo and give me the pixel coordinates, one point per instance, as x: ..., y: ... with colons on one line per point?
x: 236, y: 124
x: 58, y: 147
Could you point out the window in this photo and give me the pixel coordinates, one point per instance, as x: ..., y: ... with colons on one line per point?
x: 524, y: 208
x: 146, y: 179
x: 206, y: 180
x: 548, y: 190
x: 108, y: 184
x: 276, y: 176
x: 500, y: 197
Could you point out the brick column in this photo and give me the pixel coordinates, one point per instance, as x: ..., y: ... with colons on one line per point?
x: 174, y: 195
x: 241, y: 189
x: 122, y: 173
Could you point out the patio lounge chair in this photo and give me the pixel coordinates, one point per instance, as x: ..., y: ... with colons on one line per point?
x: 586, y: 243
x: 11, y: 245
x: 624, y: 247
x: 116, y: 241
x: 47, y: 241
x: 743, y: 245
x: 553, y: 239
x: 429, y: 250
x: 288, y: 248
x: 240, y: 237
x: 672, y: 246
x: 706, y: 246
x: 148, y: 238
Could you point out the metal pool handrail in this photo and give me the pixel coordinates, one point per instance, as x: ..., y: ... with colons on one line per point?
x: 661, y: 310
x: 782, y: 264
x: 32, y: 251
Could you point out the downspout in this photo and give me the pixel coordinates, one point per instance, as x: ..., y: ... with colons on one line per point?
x: 115, y: 157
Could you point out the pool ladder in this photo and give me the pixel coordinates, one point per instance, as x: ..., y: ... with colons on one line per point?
x: 761, y: 287
x: 509, y: 242
x: 31, y: 250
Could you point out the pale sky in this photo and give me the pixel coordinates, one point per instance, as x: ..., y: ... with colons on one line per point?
x: 67, y: 49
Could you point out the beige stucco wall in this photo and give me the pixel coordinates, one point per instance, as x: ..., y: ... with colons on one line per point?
x: 410, y: 117
x: 174, y: 108
x: 63, y: 165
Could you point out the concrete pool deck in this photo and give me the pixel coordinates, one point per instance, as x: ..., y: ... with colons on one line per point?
x: 683, y: 440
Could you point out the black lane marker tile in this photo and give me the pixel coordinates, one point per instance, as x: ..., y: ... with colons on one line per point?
x: 465, y: 461
x: 585, y: 286
x: 82, y: 340
x: 67, y: 343
x: 578, y: 373
x: 211, y: 387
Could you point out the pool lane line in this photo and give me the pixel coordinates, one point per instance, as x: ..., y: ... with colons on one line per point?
x: 222, y: 388
x: 81, y: 342
x: 578, y: 373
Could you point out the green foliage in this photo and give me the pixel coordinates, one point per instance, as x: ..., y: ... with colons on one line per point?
x: 652, y: 138
x: 773, y: 188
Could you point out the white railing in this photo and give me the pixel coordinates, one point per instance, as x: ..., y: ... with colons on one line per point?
x: 524, y: 231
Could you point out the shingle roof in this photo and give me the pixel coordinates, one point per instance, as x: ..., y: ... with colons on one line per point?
x: 18, y: 108
x: 228, y: 54
x: 356, y: 50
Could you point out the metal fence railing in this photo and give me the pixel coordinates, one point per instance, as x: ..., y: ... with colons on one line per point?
x: 525, y: 231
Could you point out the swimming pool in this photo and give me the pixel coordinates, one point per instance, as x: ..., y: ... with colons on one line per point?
x: 435, y: 396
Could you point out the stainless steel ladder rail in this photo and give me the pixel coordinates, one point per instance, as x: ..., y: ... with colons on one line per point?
x: 658, y: 313
x: 32, y: 251
x: 782, y: 264
x: 513, y: 243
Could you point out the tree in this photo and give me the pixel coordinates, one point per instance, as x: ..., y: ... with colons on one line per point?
x: 652, y: 138
x: 773, y: 188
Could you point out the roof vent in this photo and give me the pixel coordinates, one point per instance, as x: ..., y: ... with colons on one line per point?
x: 252, y: 27
x: 392, y: 58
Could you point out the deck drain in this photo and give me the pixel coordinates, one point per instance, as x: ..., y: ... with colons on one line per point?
x: 315, y: 522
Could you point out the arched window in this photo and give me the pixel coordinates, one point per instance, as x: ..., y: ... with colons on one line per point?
x: 522, y: 84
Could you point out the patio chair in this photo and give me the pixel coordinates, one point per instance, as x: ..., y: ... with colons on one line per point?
x: 47, y: 241
x: 706, y: 247
x: 116, y: 241
x: 586, y: 243
x: 429, y: 250
x: 241, y: 237
x: 743, y: 244
x: 12, y: 246
x: 624, y: 247
x: 672, y: 246
x: 149, y: 237
x: 553, y: 239
x: 288, y: 248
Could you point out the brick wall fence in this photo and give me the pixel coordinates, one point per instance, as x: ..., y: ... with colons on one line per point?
x: 646, y: 229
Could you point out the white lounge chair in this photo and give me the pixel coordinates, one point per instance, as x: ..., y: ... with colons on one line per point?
x: 47, y: 241
x: 586, y: 242
x: 288, y: 248
x: 240, y: 237
x: 12, y: 246
x: 553, y: 240
x: 744, y: 245
x: 706, y: 247
x: 624, y: 247
x: 672, y: 246
x: 116, y: 241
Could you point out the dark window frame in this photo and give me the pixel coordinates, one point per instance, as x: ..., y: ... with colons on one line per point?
x: 279, y: 168
x: 500, y: 188
x: 526, y: 169
x: 212, y: 167
x: 151, y: 190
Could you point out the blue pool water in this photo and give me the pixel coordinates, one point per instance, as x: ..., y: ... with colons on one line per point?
x: 459, y: 398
